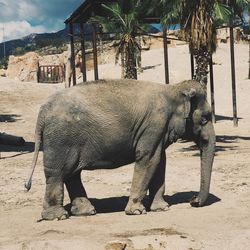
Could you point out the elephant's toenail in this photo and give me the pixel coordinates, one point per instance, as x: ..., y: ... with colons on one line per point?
x: 137, y: 212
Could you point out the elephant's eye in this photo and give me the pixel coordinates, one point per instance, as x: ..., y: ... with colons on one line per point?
x: 203, y: 120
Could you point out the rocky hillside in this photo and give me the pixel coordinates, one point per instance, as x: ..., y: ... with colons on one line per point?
x: 34, y: 42
x: 46, y: 43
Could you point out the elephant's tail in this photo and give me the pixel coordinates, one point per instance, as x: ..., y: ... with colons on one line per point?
x: 38, y: 142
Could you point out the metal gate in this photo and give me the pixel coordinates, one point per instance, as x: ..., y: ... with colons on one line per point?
x: 51, y: 74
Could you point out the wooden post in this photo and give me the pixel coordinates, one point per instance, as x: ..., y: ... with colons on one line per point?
x: 192, y: 65
x: 38, y: 74
x: 249, y: 55
x: 165, y: 46
x: 212, y: 88
x: 235, y: 119
x: 84, y: 70
x: 73, y: 66
x: 95, y: 52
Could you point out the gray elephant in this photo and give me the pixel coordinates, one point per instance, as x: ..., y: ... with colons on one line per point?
x: 110, y: 123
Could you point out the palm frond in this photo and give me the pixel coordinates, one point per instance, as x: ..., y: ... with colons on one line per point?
x: 171, y: 11
x: 237, y: 7
x: 116, y: 11
x: 222, y: 12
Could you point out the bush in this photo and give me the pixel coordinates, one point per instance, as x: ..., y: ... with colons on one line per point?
x: 19, y: 51
x: 4, y: 62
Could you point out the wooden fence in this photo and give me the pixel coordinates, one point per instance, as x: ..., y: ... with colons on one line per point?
x: 51, y: 74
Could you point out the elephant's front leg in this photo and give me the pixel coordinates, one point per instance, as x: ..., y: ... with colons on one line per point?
x: 157, y: 187
x: 53, y: 200
x: 79, y: 201
x: 145, y: 167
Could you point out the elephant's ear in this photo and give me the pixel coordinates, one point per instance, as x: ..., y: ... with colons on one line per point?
x: 188, y: 94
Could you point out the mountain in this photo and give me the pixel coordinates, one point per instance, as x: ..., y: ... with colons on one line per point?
x: 34, y: 42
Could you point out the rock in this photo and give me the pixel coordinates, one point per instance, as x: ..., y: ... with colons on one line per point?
x: 223, y: 35
x: 56, y: 59
x: 216, y: 61
x: 222, y: 40
x: 3, y: 72
x: 23, y: 68
x: 115, y: 245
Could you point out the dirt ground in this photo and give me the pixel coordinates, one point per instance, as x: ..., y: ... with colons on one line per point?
x: 223, y: 224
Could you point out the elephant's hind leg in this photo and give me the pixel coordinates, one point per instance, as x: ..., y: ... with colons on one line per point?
x: 53, y: 200
x: 81, y: 206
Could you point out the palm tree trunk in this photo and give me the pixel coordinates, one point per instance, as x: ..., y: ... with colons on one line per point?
x: 202, y: 58
x: 138, y: 57
x: 122, y: 64
x: 131, y: 72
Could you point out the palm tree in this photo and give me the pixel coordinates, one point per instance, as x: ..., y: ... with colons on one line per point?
x: 198, y: 21
x: 125, y: 18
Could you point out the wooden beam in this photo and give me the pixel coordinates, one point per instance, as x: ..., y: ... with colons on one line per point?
x: 73, y: 66
x: 249, y: 55
x: 235, y: 119
x: 84, y: 70
x: 95, y: 52
x: 192, y: 65
x: 212, y: 88
x: 165, y: 46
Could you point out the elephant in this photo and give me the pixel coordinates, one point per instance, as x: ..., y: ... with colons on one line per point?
x: 106, y: 124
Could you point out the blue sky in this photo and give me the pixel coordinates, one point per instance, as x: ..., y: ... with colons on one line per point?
x: 23, y: 17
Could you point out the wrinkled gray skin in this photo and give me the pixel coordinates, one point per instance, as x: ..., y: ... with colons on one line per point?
x: 107, y: 124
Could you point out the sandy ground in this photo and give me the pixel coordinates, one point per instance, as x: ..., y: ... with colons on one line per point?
x: 223, y: 224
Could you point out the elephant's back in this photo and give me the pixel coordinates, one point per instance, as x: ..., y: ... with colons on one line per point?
x: 80, y: 109
x: 103, y: 104
x: 122, y: 93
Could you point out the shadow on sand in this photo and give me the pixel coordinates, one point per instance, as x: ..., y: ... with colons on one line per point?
x: 9, y: 118
x: 118, y: 204
x: 185, y: 197
x: 151, y: 67
x: 28, y: 147
x: 226, y: 139
x: 225, y: 118
x: 231, y: 138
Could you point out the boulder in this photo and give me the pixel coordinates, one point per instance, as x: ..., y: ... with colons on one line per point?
x: 216, y: 61
x: 115, y: 245
x: 56, y: 59
x: 23, y: 68
x: 3, y: 72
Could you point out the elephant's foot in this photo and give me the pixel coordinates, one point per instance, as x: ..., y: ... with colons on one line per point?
x: 135, y: 208
x: 197, y: 201
x: 54, y: 212
x: 81, y: 206
x: 159, y: 205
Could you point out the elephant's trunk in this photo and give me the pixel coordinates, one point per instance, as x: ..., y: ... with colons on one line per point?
x: 207, y: 147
